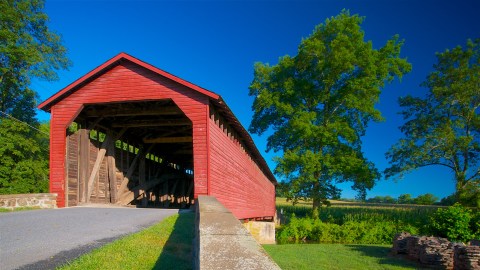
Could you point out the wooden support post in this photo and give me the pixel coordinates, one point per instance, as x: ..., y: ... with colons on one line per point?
x: 182, y: 200
x: 141, y: 180
x: 164, y: 193
x: 101, y: 154
x: 134, y: 193
x: 171, y: 194
x: 96, y: 167
x: 112, y: 170
x: 189, y: 192
x: 83, y: 161
x: 131, y: 169
x: 157, y: 196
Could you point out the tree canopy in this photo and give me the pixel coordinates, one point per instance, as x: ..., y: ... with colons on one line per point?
x: 28, y: 49
x: 24, y: 162
x: 443, y: 128
x: 318, y: 104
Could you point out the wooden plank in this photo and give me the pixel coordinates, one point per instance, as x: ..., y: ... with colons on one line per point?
x: 164, y: 197
x: 94, y: 124
x: 171, y: 110
x: 67, y: 170
x: 96, y: 167
x: 172, y: 193
x: 111, y: 169
x: 131, y: 195
x: 189, y: 192
x: 186, y: 139
x: 131, y: 169
x: 181, y: 200
x: 141, y: 178
x: 155, y: 123
x: 83, y: 161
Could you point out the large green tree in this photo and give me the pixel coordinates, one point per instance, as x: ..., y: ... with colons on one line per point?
x: 443, y: 128
x: 24, y: 157
x: 28, y: 49
x: 318, y: 104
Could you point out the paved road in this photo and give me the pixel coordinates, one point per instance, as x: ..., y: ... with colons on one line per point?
x: 43, y: 239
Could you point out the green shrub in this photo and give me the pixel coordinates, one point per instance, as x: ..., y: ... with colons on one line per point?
x: 453, y: 223
x: 417, y: 217
x: 475, y: 225
x: 298, y: 229
x: 351, y: 232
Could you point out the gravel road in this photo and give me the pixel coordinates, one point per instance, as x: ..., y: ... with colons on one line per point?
x: 44, y: 239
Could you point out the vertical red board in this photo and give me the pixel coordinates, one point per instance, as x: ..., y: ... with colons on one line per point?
x: 236, y: 180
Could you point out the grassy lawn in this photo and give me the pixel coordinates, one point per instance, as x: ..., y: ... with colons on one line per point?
x: 6, y: 210
x: 335, y: 256
x: 166, y: 245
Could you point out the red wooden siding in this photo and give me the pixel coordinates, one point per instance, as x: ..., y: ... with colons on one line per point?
x: 226, y: 165
x: 128, y: 82
x: 235, y: 179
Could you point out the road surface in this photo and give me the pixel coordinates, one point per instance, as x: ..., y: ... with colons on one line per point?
x: 44, y: 239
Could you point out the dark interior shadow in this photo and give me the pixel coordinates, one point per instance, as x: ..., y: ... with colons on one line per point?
x: 384, y: 256
x: 178, y: 250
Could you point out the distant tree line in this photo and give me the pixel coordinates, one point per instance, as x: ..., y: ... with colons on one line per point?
x: 424, y: 199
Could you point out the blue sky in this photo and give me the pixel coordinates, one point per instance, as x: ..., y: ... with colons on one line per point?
x: 214, y: 44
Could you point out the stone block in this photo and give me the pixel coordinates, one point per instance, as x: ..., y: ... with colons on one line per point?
x: 262, y: 231
x: 22, y: 202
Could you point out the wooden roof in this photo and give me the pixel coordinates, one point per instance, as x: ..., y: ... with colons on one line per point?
x: 215, y: 99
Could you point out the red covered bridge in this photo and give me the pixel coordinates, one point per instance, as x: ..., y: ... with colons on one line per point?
x: 132, y: 134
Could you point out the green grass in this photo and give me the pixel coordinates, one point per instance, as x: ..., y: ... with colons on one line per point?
x: 336, y: 256
x: 26, y: 208
x: 166, y: 245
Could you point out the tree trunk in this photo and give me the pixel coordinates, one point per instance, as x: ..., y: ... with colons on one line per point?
x: 317, y: 202
x: 316, y: 208
x: 459, y: 185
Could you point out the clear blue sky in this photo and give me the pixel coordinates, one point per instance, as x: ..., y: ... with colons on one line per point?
x: 214, y: 44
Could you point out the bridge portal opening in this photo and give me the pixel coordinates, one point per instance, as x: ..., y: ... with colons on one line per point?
x: 134, y: 153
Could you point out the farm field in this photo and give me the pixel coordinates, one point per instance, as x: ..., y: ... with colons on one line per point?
x: 336, y: 256
x: 337, y: 203
x: 414, y: 217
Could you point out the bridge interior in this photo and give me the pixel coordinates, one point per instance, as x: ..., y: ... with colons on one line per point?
x: 133, y: 153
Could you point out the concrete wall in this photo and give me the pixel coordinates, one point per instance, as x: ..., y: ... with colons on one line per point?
x: 37, y: 200
x: 221, y: 242
x: 262, y: 231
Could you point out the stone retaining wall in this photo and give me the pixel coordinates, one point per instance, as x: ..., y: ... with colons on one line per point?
x: 35, y: 200
x: 221, y: 242
x: 437, y: 252
x: 262, y: 231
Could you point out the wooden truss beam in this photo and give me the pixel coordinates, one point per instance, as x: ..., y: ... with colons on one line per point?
x: 155, y: 123
x: 185, y: 139
x: 101, y: 154
x: 135, y: 192
x: 131, y: 170
x: 171, y: 110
